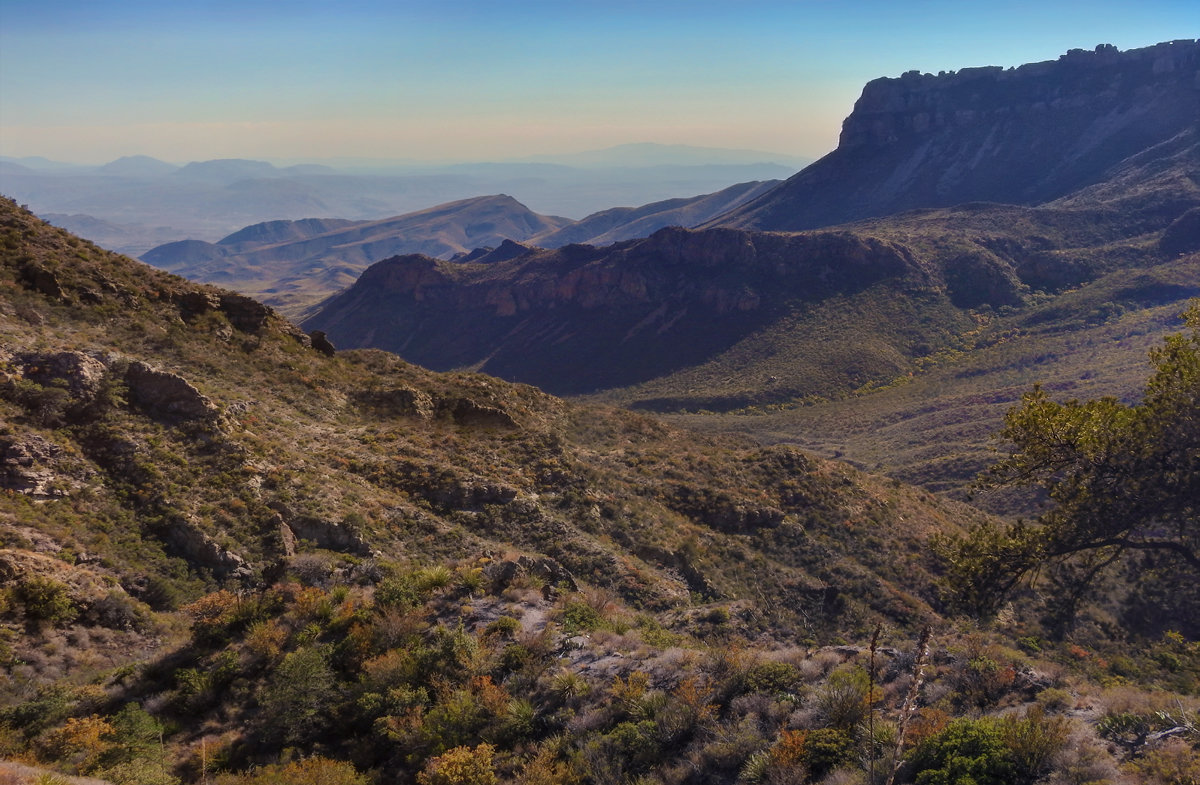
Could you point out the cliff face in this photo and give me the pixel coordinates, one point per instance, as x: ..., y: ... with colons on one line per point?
x: 1023, y: 135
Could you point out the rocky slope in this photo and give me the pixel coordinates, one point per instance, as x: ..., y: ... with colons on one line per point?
x: 215, y: 440
x: 220, y: 544
x: 1023, y: 135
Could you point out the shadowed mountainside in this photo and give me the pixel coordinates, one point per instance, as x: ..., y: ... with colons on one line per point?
x: 628, y: 223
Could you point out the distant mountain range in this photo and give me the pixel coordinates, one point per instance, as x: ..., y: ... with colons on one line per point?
x: 296, y: 263
x: 142, y: 202
x: 292, y: 265
x: 649, y: 154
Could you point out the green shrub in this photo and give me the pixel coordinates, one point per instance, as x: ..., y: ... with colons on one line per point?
x: 825, y: 749
x: 844, y: 700
x: 45, y: 599
x: 1011, y: 750
x: 578, y: 617
x: 1032, y: 741
x: 965, y: 752
x: 399, y: 591
x: 772, y: 678
x: 298, y: 700
x: 310, y: 771
x: 504, y: 627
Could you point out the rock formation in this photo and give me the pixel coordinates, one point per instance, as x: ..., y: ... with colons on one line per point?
x: 1022, y: 135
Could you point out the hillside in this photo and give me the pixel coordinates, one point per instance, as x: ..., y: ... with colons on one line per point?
x: 1024, y: 135
x: 105, y: 359
x: 221, y: 543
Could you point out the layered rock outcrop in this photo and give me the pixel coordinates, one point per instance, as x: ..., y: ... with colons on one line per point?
x: 1022, y: 135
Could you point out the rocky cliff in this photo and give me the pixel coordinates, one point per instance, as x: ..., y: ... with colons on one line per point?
x: 1024, y: 135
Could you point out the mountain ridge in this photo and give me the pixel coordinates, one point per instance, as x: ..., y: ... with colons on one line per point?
x: 294, y: 264
x: 1023, y: 135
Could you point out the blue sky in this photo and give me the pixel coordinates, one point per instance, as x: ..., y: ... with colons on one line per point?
x: 471, y: 80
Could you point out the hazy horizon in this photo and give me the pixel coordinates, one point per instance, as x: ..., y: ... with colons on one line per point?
x: 351, y: 162
x: 465, y: 80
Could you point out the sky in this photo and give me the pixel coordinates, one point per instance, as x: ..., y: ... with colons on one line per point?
x: 88, y: 81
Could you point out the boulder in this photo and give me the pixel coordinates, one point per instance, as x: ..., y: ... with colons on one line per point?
x: 329, y: 535
x: 195, y: 302
x: 321, y: 343
x: 167, y: 394
x: 465, y: 411
x: 81, y: 374
x: 244, y: 313
x: 502, y: 573
x: 42, y: 280
x: 472, y: 494
x: 404, y: 401
x: 27, y: 466
x: 195, y: 546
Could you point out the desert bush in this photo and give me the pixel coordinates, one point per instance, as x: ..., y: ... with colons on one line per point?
x: 266, y: 638
x: 160, y: 594
x: 504, y: 627
x: 1011, y: 750
x: 627, y: 750
x: 826, y: 749
x: 982, y: 680
x: 1033, y: 740
x: 118, y: 611
x: 461, y: 766
x: 397, y: 591
x: 135, y: 734
x: 578, y: 616
x: 1055, y: 699
x: 139, y: 771
x: 966, y: 751
x: 1174, y: 763
x: 545, y: 768
x: 773, y: 678
x: 844, y: 700
x: 310, y: 771
x: 45, y: 599
x: 1082, y: 761
x: 212, y: 616
x: 298, y: 700
x: 81, y: 742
